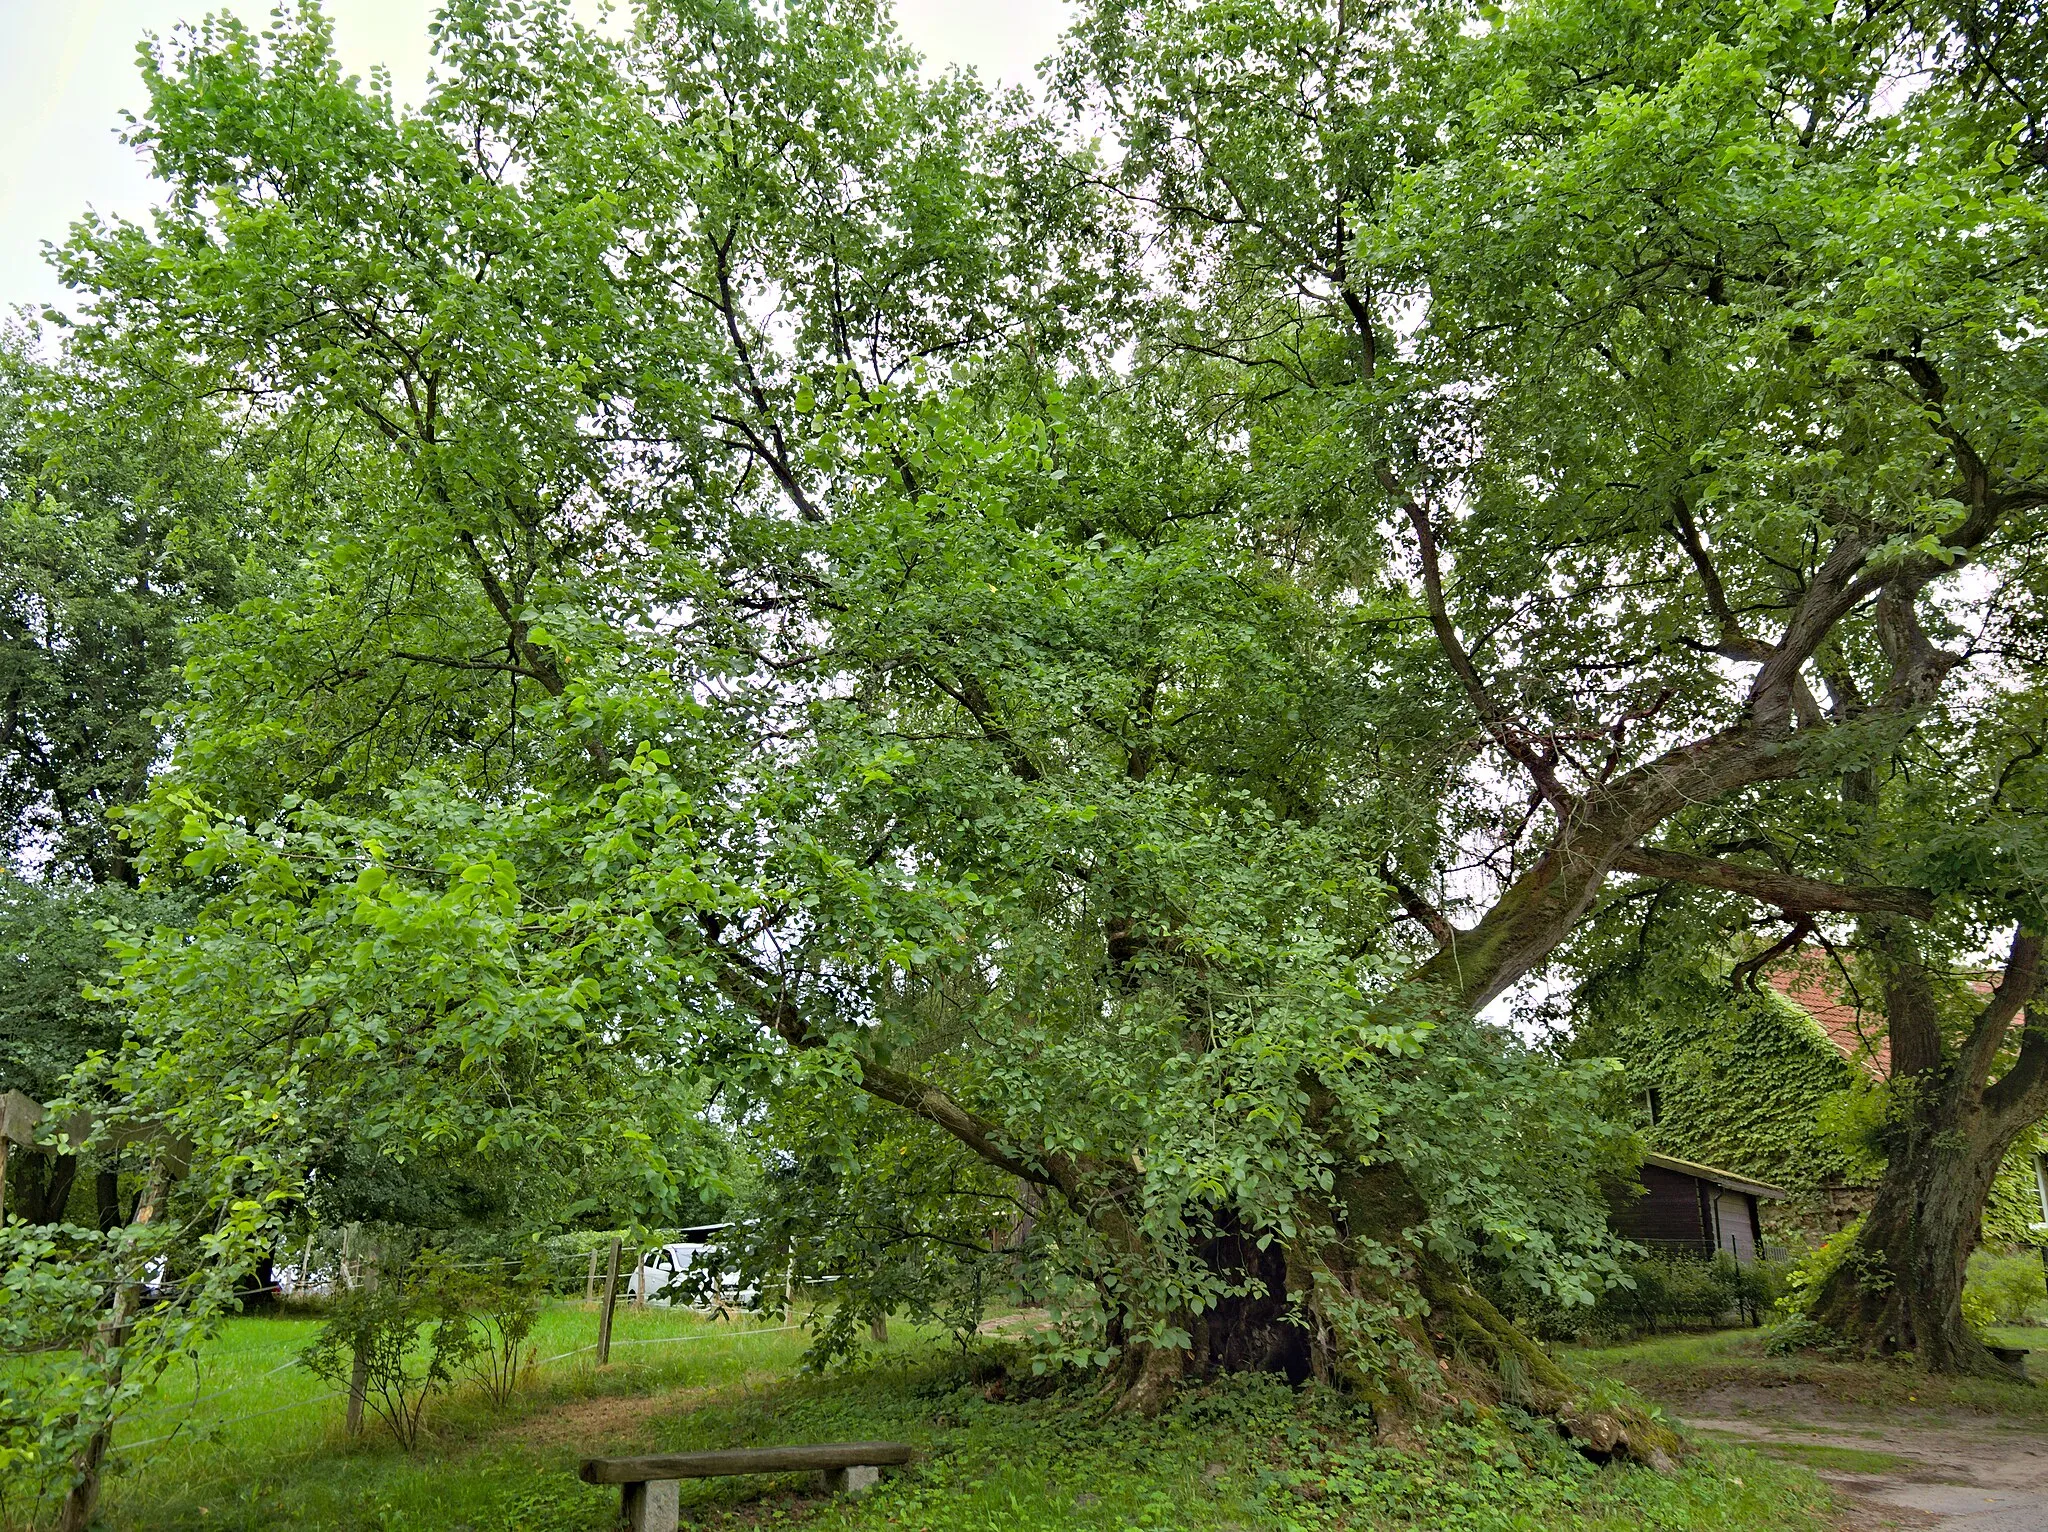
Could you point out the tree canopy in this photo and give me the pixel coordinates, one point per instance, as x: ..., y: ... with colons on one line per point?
x: 808, y: 590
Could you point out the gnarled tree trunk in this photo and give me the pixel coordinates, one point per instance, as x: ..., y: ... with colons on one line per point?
x: 1434, y: 1341
x: 1900, y: 1287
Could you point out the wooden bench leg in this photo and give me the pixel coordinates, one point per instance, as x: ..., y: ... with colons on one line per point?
x: 655, y: 1506
x: 852, y: 1481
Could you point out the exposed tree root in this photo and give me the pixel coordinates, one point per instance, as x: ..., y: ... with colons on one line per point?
x: 1440, y: 1345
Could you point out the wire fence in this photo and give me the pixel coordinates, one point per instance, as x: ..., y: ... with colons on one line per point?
x: 341, y: 1268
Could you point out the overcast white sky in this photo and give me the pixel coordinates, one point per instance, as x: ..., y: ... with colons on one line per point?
x: 67, y: 68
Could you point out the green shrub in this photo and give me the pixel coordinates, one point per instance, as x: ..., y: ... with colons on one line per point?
x: 1812, y: 1271
x: 1797, y: 1333
x: 403, y: 1334
x: 499, y: 1300
x: 1663, y: 1293
x: 2004, y: 1290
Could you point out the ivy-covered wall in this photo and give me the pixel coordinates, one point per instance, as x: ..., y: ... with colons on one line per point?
x: 1750, y: 1083
x: 1745, y: 1081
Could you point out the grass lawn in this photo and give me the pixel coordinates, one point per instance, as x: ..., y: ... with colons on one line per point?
x: 251, y: 1438
x: 261, y: 1448
x: 2031, y: 1337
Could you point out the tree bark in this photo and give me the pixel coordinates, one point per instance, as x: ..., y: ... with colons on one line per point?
x: 1900, y: 1286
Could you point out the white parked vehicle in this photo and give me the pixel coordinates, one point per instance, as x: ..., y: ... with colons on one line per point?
x: 685, y: 1274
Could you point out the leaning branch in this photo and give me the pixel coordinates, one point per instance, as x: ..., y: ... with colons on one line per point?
x: 1788, y: 891
x: 2018, y: 1092
x: 1491, y: 713
x: 1733, y: 641
x: 1420, y: 910
x: 747, y: 984
x: 449, y: 662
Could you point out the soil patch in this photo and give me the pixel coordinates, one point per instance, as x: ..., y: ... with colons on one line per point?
x: 608, y: 1423
x: 1954, y: 1469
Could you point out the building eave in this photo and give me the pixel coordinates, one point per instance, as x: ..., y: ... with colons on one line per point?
x: 1727, y: 1180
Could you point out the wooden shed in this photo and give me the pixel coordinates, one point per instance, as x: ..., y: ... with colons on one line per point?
x: 1688, y: 1209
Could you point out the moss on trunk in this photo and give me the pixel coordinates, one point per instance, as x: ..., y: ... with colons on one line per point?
x: 1373, y: 1312
x: 1899, y: 1288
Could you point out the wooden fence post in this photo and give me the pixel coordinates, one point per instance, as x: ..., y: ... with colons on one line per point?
x: 359, y: 1368
x: 18, y: 1118
x: 76, y: 1513
x: 358, y: 1387
x: 590, y: 1278
x: 604, y: 1317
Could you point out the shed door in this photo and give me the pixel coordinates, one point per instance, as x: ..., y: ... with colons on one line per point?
x: 1735, y: 1226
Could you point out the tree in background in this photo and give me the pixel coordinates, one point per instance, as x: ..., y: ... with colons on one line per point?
x: 1948, y: 819
x: 119, y: 530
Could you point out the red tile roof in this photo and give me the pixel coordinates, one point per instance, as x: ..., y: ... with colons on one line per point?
x: 1811, y: 981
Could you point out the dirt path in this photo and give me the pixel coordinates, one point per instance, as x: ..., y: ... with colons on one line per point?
x: 1952, y: 1469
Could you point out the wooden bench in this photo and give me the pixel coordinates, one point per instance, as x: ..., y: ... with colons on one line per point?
x: 648, y: 1501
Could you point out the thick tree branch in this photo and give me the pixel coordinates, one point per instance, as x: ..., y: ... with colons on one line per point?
x: 448, y: 662
x: 1791, y: 893
x: 935, y: 1106
x: 775, y: 450
x: 1834, y: 593
x: 538, y: 660
x: 1918, y: 665
x: 1535, y: 912
x: 974, y: 699
x: 1732, y: 641
x: 1911, y: 1016
x: 1748, y: 971
x: 1419, y: 909
x: 2022, y: 1092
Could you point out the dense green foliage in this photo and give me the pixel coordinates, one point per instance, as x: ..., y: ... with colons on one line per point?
x: 1667, y: 1293
x: 50, y: 952
x: 2006, y: 1289
x: 1047, y: 690
x: 1024, y: 668
x: 119, y: 527
x: 119, y: 530
x: 2013, y: 1210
